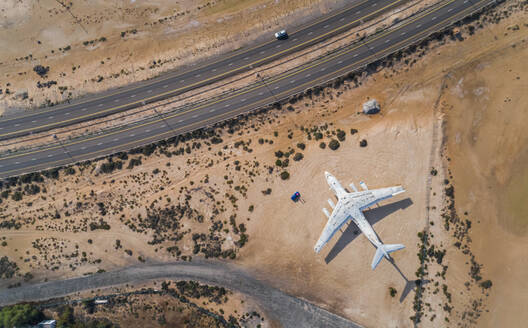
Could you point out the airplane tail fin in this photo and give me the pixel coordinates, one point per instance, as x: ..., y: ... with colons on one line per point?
x: 384, y: 250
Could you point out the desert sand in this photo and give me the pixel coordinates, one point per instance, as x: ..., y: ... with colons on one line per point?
x: 440, y: 112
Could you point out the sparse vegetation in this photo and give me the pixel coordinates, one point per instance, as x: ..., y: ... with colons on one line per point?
x: 333, y: 144
x: 285, y: 175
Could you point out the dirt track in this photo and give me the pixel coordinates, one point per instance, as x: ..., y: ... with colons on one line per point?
x: 288, y: 310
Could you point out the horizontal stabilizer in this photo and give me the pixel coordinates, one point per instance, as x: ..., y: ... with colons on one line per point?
x: 325, y: 211
x: 384, y: 250
x: 331, y: 203
x: 353, y: 187
x: 363, y: 185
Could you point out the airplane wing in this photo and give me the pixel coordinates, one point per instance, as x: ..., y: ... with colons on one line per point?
x: 338, y: 217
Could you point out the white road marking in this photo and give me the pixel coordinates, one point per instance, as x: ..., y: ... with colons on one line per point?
x: 214, y: 69
x: 466, y: 1
x: 132, y: 135
x: 374, y: 4
x: 227, y: 105
x: 402, y: 33
x: 181, y: 81
x: 33, y: 159
x: 198, y: 75
x: 278, y: 46
x: 261, y: 93
x: 100, y: 105
x: 17, y: 124
x: 326, y: 26
x: 243, y: 99
x: 433, y: 18
x: 33, y: 121
x: 276, y: 88
x: 50, y: 117
x: 322, y: 69
x: 310, y: 33
x: 292, y: 81
x: 17, y: 162
x: 99, y: 143
x: 180, y: 121
x: 230, y: 64
x: 262, y: 52
x: 308, y: 75
x: 449, y: 10
x: 246, y: 58
x: 195, y: 116
x: 355, y: 55
x: 67, y: 113
x: 147, y: 130
x: 371, y: 48
x: 342, y: 19
x: 83, y: 147
x: 358, y: 12
x: 166, y: 86
x: 84, y: 109
x: 212, y: 110
x: 50, y: 155
x: 132, y: 96
x: 163, y: 126
x: 387, y: 41
x: 294, y: 39
x: 116, y: 100
x: 340, y: 62
x: 149, y: 91
x: 418, y: 26
x: 115, y: 139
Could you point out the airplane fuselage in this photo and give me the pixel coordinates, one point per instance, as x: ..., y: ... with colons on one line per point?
x: 350, y: 206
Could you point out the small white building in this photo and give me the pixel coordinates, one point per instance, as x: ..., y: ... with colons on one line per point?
x: 47, y: 324
x: 100, y: 301
x: 371, y: 107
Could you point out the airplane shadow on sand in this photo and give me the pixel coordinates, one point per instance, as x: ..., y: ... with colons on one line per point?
x: 372, y: 215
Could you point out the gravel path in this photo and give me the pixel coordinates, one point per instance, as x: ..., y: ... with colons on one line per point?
x: 289, y: 311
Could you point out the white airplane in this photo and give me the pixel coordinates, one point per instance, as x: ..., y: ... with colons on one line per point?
x: 350, y: 206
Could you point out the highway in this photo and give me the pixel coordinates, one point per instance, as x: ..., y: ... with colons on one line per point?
x: 212, y: 70
x: 242, y: 101
x: 280, y: 307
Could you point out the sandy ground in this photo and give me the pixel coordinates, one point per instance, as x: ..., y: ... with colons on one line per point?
x: 402, y: 147
x: 486, y: 107
x: 125, y: 41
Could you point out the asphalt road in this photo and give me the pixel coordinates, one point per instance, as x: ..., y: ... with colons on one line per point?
x: 238, y: 102
x: 178, y: 82
x: 289, y: 311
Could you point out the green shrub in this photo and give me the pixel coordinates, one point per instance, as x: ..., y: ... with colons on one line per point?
x: 322, y: 145
x: 341, y: 135
x: 486, y: 284
x: 333, y: 144
x: 363, y: 143
x: 17, y: 196
x: 20, y: 315
x: 298, y: 157
x: 285, y: 175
